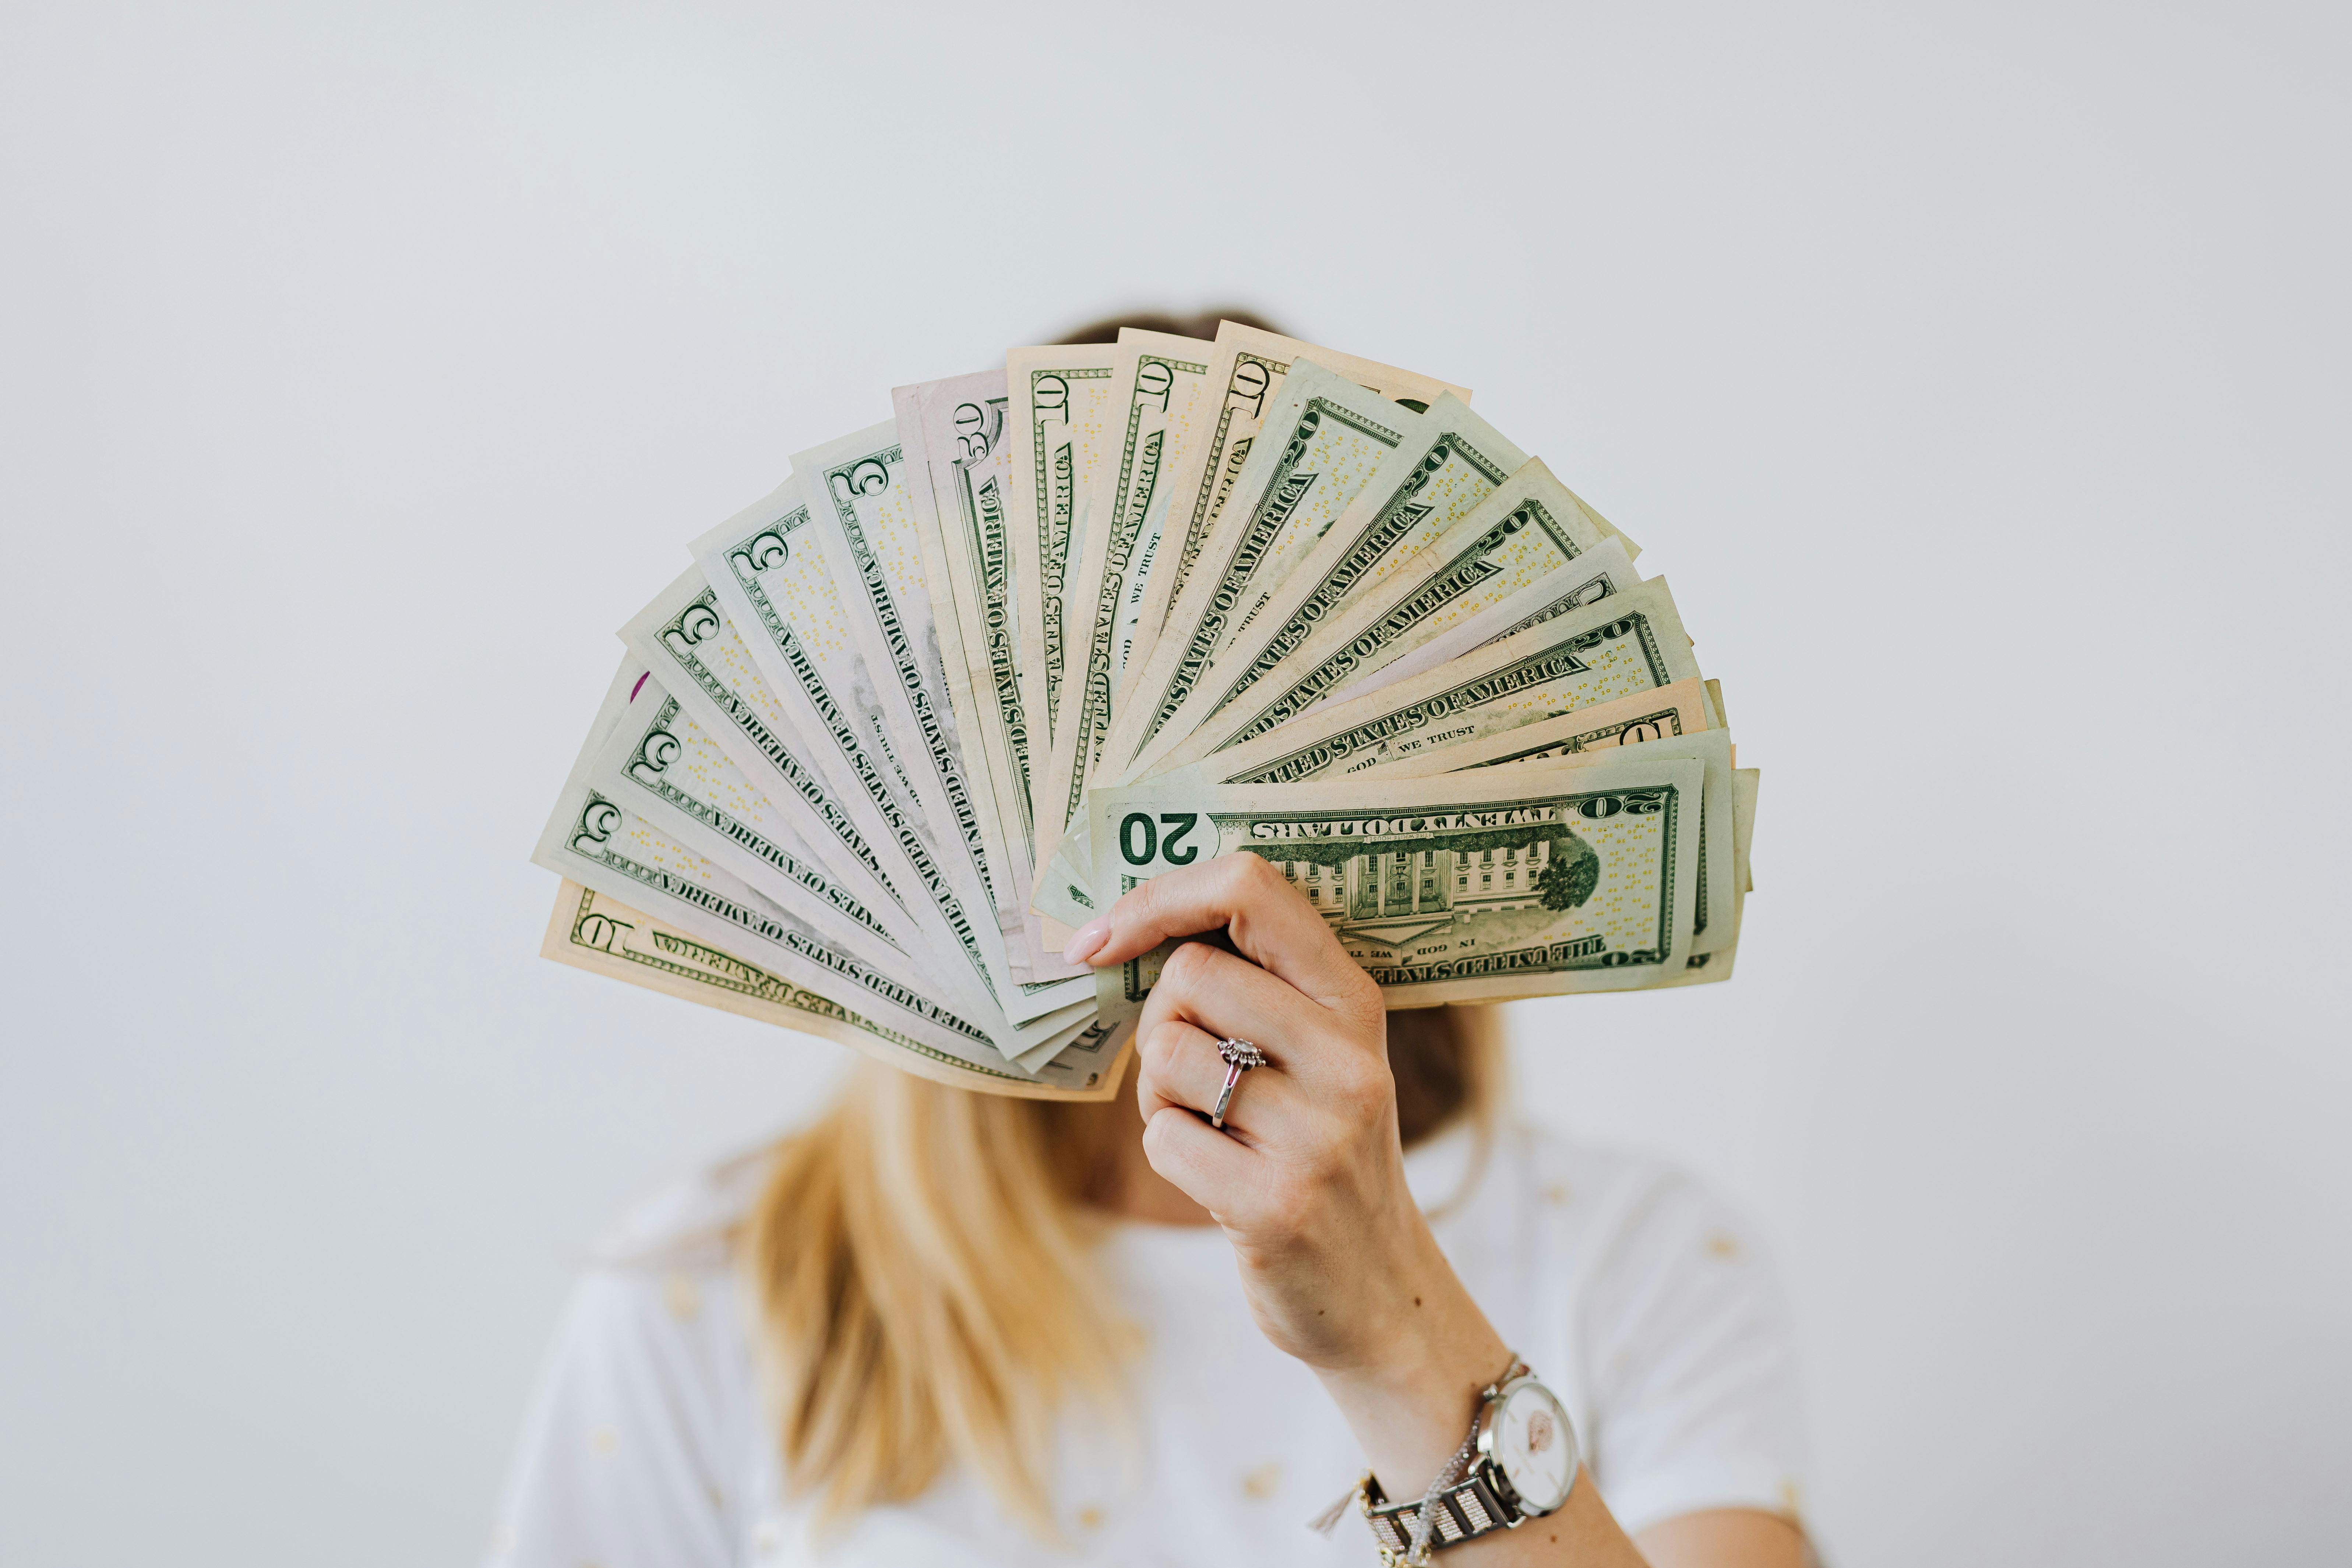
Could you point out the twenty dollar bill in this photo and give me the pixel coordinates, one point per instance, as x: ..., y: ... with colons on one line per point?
x: 1528, y: 881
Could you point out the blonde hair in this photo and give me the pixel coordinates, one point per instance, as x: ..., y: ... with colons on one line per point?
x: 922, y: 1259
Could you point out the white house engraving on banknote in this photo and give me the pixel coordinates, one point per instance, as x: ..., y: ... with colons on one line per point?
x: 1570, y: 877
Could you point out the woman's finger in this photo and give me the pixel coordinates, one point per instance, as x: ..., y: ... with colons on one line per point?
x: 1269, y: 923
x: 1178, y: 1066
x: 1216, y: 1172
x: 1232, y: 998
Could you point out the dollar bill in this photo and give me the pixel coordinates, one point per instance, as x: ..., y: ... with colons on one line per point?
x: 1706, y: 968
x: 1355, y: 666
x: 655, y: 760
x: 687, y: 635
x: 766, y: 592
x: 1524, y: 531
x: 1675, y: 715
x: 1629, y: 642
x: 1590, y: 578
x: 1744, y: 782
x: 863, y: 501
x: 592, y: 931
x: 972, y: 673
x: 1076, y: 1035
x: 953, y: 433
x: 1065, y: 893
x: 1532, y: 881
x: 1455, y: 461
x: 759, y: 618
x: 1157, y: 381
x: 1192, y: 411
x: 1244, y: 379
x: 1703, y: 969
x: 1632, y: 551
x: 1064, y: 441
x: 1680, y: 708
x: 595, y: 841
x: 1062, y: 889
x: 1336, y: 436
x: 1713, y: 892
x: 785, y: 741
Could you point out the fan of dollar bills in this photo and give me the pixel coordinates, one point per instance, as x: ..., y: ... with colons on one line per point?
x: 1058, y: 627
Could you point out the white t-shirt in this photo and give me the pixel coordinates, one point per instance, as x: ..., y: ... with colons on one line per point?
x: 1641, y: 1300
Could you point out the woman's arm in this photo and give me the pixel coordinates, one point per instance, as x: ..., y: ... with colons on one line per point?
x: 1307, y: 1181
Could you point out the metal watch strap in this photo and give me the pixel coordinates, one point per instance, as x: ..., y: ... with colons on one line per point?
x: 1466, y: 1509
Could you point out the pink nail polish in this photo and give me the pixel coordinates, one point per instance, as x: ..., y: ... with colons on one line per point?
x: 1087, y: 940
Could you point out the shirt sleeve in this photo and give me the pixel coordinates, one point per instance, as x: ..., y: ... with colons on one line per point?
x: 1694, y: 1374
x: 632, y: 1448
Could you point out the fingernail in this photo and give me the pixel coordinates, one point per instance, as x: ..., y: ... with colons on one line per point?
x: 1087, y: 940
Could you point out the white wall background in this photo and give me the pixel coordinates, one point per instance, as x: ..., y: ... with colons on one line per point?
x: 1980, y: 382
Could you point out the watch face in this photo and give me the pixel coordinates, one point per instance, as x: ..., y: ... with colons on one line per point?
x: 1534, y: 1447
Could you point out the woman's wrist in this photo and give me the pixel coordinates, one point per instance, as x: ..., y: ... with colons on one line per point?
x: 1411, y: 1400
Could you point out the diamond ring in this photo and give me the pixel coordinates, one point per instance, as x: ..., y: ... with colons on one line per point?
x: 1240, y: 1056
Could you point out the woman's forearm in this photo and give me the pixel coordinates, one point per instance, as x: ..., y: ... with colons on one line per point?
x: 1412, y: 1406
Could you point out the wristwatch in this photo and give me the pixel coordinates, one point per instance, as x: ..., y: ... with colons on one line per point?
x: 1525, y: 1467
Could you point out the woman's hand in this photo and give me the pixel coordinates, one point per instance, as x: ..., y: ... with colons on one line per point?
x: 1307, y: 1177
x: 1307, y: 1180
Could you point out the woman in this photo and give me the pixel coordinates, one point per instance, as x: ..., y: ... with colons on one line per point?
x: 945, y: 1330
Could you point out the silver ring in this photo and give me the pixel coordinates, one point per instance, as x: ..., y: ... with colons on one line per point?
x: 1240, y: 1056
